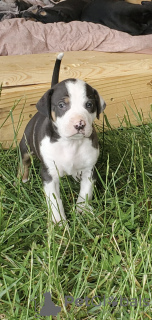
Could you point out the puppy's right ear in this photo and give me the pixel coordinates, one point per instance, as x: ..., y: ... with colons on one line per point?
x: 44, y: 104
x: 100, y: 103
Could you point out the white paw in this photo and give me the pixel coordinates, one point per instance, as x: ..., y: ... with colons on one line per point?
x: 57, y: 214
x: 25, y: 180
x: 84, y: 207
x: 58, y: 217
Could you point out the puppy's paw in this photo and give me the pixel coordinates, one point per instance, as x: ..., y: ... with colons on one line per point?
x: 57, y: 215
x: 83, y: 207
x: 18, y: 181
x: 62, y: 223
x: 25, y: 180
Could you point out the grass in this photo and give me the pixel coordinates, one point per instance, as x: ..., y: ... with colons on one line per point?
x: 107, y: 254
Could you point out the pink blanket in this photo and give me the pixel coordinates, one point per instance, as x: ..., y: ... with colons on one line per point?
x: 18, y: 36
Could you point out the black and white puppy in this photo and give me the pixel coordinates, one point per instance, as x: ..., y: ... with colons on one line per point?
x: 61, y: 134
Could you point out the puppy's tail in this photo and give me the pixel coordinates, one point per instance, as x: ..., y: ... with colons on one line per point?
x: 55, y: 76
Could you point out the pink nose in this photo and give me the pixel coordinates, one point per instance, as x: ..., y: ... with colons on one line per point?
x: 80, y: 125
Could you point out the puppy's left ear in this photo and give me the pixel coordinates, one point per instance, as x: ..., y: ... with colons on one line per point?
x: 44, y: 104
x: 100, y: 103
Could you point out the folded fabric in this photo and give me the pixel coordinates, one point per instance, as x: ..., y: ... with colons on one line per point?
x: 18, y: 36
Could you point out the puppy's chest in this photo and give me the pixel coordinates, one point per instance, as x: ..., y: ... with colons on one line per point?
x: 68, y: 157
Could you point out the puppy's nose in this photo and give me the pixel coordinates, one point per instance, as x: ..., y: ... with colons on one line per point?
x: 80, y: 125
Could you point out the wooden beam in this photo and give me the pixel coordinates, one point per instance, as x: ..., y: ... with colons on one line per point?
x: 123, y: 79
x: 135, y: 1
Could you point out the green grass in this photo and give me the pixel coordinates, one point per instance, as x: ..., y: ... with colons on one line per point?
x: 107, y: 254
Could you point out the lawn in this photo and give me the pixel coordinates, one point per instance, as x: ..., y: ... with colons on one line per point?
x: 103, y: 261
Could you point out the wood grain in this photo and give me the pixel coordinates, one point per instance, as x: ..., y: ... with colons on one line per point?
x: 123, y: 79
x: 135, y: 1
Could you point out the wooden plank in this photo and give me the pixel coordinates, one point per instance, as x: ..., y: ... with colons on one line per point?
x: 135, y: 1
x: 122, y: 79
x: 37, y: 69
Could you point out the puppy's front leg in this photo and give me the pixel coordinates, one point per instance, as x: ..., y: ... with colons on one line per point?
x: 86, y: 189
x: 54, y: 202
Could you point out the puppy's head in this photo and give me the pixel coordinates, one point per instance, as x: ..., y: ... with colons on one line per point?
x: 72, y: 105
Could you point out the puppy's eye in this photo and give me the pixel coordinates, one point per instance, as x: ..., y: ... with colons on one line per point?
x: 62, y: 105
x: 89, y: 104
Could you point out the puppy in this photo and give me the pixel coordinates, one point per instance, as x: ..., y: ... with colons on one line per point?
x: 61, y: 134
x: 134, y: 19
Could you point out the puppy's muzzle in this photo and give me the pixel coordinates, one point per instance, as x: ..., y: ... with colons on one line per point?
x: 80, y: 125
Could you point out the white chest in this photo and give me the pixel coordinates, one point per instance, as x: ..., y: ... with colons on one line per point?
x: 68, y: 157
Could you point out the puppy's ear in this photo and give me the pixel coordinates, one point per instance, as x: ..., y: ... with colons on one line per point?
x: 100, y: 103
x: 44, y: 104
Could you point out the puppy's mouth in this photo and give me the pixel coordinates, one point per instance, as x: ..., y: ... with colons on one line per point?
x: 77, y: 135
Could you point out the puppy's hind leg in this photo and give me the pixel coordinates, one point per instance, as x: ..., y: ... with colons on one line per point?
x: 24, y: 165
